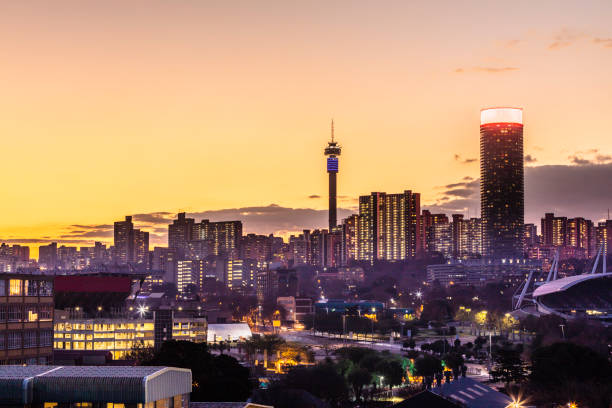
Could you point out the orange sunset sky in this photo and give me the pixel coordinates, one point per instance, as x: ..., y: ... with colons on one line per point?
x: 113, y: 108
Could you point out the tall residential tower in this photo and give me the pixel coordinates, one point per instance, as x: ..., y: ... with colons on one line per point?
x: 332, y: 151
x: 502, y: 197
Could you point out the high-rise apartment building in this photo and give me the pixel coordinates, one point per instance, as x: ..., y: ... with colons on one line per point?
x: 554, y: 230
x: 603, y: 235
x: 124, y: 240
x: 442, y: 239
x: 130, y: 245
x: 47, y: 255
x: 428, y: 221
x: 350, y: 233
x: 389, y: 226
x: 180, y: 232
x: 531, y: 234
x: 213, y: 238
x: 502, y: 182
x: 581, y: 234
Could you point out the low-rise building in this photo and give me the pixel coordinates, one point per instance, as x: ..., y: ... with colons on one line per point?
x: 100, y: 386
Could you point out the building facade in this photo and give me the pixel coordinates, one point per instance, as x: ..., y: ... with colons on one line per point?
x: 502, y: 182
x: 26, y: 319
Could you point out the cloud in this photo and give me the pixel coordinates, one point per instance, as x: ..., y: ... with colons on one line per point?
x: 96, y: 227
x: 154, y: 217
x: 596, y: 158
x: 565, y: 38
x: 495, y: 70
x: 488, y: 70
x: 464, y: 161
x: 605, y: 42
x: 314, y: 196
x: 511, y: 43
x: 553, y: 188
x: 272, y: 218
x: 530, y: 159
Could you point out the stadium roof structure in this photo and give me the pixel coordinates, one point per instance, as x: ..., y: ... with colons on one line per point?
x: 68, y: 384
x: 473, y: 394
x: 563, y: 284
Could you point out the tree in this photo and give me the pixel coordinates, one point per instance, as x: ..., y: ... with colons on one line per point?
x: 436, y: 310
x: 454, y: 361
x: 359, y: 377
x: 215, y: 378
x: 565, y: 372
x: 322, y: 380
x: 392, y: 371
x: 509, y: 367
x: 427, y: 367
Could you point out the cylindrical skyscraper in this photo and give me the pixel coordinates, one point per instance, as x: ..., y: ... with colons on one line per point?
x: 332, y: 151
x: 502, y: 197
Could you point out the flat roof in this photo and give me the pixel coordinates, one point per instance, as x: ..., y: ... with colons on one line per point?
x: 64, y: 384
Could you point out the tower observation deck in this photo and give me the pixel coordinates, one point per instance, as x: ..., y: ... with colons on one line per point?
x: 332, y: 151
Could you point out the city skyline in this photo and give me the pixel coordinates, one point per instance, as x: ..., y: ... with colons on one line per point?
x: 157, y: 121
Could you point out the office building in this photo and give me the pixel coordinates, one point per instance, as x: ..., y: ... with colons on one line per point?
x: 26, y: 319
x: 502, y: 182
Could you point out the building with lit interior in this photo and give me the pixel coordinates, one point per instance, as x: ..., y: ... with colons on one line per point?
x: 502, y: 191
x: 26, y: 319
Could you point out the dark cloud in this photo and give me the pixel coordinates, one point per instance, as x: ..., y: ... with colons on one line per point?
x: 314, y: 196
x: 530, y: 159
x: 460, y: 192
x: 88, y: 234
x: 154, y: 218
x: 468, y: 178
x: 467, y: 184
x: 560, y: 189
x: 96, y: 227
x: 272, y: 218
x: 464, y: 161
x: 45, y: 241
x: 580, y: 160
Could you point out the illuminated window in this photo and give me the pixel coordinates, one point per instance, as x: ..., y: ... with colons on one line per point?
x: 15, y: 287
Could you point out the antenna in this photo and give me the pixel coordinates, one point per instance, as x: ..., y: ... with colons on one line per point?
x: 332, y: 131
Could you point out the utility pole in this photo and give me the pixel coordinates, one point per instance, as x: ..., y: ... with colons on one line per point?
x: 562, y: 330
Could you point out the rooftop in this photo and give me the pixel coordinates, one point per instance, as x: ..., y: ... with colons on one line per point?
x: 66, y: 384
